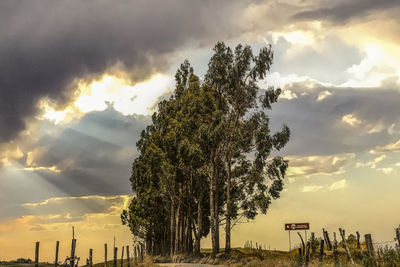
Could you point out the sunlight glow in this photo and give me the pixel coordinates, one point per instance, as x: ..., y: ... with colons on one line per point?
x: 128, y: 99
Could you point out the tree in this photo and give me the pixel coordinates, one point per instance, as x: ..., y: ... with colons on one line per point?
x: 233, y: 76
x: 206, y: 157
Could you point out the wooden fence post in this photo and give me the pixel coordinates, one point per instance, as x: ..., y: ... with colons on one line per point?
x: 56, y: 259
x: 345, y: 244
x: 302, y: 243
x: 90, y: 257
x: 105, y: 255
x: 73, y: 246
x: 122, y: 256
x: 358, y: 239
x: 370, y: 247
x: 335, y: 243
x: 127, y: 256
x: 321, y: 250
x: 313, y: 247
x: 344, y: 238
x: 328, y: 241
x: 308, y: 253
x: 398, y: 236
x: 37, y: 254
x: 115, y: 257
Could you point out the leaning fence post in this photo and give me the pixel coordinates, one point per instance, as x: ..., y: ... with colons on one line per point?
x: 345, y: 245
x: 370, y: 247
x: 56, y: 259
x: 358, y: 240
x: 105, y: 255
x: 302, y: 243
x: 37, y: 254
x: 307, y: 253
x: 115, y: 257
x: 328, y: 240
x: 127, y: 256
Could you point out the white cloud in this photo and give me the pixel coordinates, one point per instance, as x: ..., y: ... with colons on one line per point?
x: 375, y: 161
x: 287, y: 94
x: 323, y: 95
x: 338, y: 185
x: 313, y: 165
x: 351, y: 119
x: 311, y: 188
x: 387, y: 170
x: 374, y: 69
x: 126, y: 98
x: 392, y: 147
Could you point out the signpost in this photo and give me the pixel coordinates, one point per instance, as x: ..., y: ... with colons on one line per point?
x: 296, y: 226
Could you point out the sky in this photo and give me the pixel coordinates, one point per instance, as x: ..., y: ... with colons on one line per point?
x: 79, y: 81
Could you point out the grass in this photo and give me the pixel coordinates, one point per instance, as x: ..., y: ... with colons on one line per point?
x: 252, y: 257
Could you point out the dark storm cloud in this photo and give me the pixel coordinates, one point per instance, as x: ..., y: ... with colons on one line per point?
x: 346, y: 10
x: 318, y: 128
x: 44, y: 45
x: 92, y: 161
x: 95, y: 155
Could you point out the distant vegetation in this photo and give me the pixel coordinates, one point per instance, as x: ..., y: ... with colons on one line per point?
x: 205, y: 161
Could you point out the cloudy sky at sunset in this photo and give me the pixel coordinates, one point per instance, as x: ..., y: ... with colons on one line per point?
x: 79, y: 80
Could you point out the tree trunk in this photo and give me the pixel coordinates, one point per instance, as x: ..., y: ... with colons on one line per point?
x: 178, y: 224
x: 214, y: 207
x: 172, y: 228
x: 228, y: 205
x: 216, y: 213
x: 212, y: 214
x: 199, y: 224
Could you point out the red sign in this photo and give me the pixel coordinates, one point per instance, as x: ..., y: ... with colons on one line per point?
x: 297, y: 226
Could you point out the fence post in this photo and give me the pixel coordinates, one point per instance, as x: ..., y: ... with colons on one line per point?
x: 328, y: 240
x: 115, y: 257
x: 122, y: 256
x: 358, y: 240
x: 302, y: 243
x: 344, y: 238
x: 307, y: 253
x: 398, y: 236
x: 313, y: 247
x: 370, y: 247
x: 37, y: 254
x: 90, y: 257
x: 56, y: 259
x: 321, y: 250
x: 73, y: 246
x: 127, y: 256
x: 345, y: 245
x: 105, y: 255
